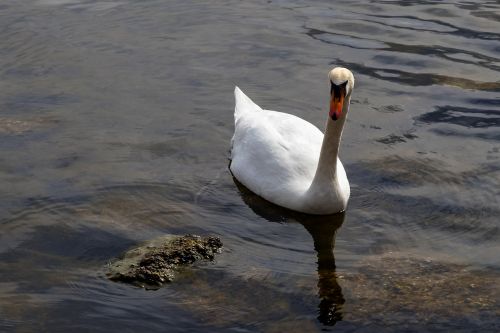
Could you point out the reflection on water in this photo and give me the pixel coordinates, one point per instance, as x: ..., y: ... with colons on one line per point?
x: 115, y: 125
x: 323, y: 230
x: 329, y: 291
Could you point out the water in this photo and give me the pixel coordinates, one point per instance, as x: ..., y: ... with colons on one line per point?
x: 115, y: 122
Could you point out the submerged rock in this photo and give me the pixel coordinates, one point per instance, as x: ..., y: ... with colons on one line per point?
x: 155, y: 263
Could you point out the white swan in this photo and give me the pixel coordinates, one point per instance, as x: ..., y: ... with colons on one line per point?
x: 287, y: 160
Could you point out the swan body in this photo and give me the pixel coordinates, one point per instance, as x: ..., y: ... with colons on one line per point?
x: 289, y: 161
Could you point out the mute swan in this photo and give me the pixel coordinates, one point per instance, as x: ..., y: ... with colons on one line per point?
x: 287, y: 160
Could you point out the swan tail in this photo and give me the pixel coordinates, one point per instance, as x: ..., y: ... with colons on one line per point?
x: 243, y: 104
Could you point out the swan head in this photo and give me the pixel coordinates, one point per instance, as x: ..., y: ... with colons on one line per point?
x: 342, y: 83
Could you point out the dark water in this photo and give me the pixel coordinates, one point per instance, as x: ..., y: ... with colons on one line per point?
x: 115, y: 122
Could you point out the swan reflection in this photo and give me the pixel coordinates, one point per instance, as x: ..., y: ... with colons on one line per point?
x: 323, y: 230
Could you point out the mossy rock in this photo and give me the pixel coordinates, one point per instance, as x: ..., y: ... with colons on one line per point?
x: 156, y: 262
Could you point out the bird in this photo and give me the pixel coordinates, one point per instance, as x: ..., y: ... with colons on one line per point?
x: 287, y: 160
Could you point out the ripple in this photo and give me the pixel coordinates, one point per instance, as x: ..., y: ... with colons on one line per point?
x: 439, y: 27
x: 490, y: 15
x: 393, y: 139
x: 484, y: 101
x: 31, y: 102
x: 466, y: 117
x: 346, y: 40
x: 390, y: 108
x: 118, y: 209
x: 410, y: 199
x: 97, y: 6
x: 414, y: 23
x: 467, y: 122
x: 440, y: 51
x: 491, y: 136
x: 57, y: 2
x: 420, y: 79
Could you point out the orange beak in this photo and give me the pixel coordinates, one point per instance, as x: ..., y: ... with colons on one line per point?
x: 337, y: 100
x: 336, y: 105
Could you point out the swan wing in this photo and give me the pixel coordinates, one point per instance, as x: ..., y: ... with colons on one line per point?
x: 274, y: 154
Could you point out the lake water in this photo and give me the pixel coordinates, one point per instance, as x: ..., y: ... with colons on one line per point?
x: 115, y: 126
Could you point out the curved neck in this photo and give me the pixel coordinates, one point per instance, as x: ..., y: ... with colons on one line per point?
x: 327, y: 164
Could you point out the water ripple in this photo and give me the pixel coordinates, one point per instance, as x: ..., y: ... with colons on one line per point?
x: 467, y: 117
x: 415, y: 23
x: 419, y: 79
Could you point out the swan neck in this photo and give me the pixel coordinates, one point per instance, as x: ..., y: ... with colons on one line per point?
x: 327, y: 165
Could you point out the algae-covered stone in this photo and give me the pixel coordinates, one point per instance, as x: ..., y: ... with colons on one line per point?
x: 154, y: 263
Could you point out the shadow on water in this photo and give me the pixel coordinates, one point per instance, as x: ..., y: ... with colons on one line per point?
x: 323, y: 230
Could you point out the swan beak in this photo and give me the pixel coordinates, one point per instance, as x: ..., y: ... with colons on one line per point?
x: 337, y: 100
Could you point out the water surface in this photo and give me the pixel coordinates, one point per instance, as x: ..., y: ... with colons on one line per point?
x: 115, y: 123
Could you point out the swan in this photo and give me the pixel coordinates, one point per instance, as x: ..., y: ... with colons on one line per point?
x: 287, y: 160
